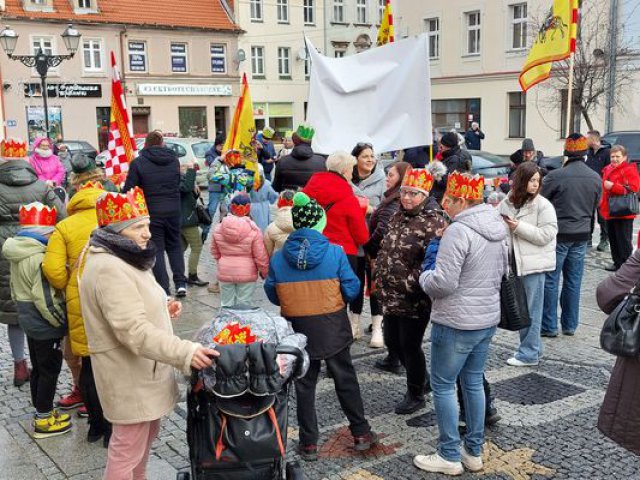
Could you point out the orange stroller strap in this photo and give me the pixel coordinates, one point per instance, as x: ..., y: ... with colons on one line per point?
x: 219, y: 443
x: 272, y: 416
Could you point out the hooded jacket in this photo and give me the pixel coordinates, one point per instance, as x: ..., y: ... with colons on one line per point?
x: 239, y: 250
x: 40, y: 307
x: 398, y: 264
x: 261, y: 201
x: 19, y: 185
x: 295, y: 170
x: 346, y: 225
x: 465, y: 286
x: 312, y: 282
x: 61, y: 265
x: 279, y: 230
x: 50, y: 168
x: 372, y: 187
x: 157, y: 172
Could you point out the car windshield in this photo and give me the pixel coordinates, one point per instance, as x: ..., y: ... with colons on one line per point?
x: 631, y: 141
x: 200, y: 148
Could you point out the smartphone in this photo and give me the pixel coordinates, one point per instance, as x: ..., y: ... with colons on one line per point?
x: 506, y: 217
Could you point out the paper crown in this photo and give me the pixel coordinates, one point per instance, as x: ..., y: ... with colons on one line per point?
x: 233, y: 158
x: 268, y: 132
x: 91, y: 184
x: 12, y: 148
x: 119, y: 207
x: 37, y: 215
x: 286, y: 198
x: 233, y: 333
x: 579, y: 144
x: 418, y: 179
x: 305, y: 132
x: 463, y: 185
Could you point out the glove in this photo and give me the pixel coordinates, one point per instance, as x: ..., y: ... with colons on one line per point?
x: 264, y: 372
x: 231, y: 371
x: 430, y: 254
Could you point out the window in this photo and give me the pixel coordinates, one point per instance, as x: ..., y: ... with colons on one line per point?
x: 339, y: 53
x: 432, y: 26
x: 218, y: 58
x: 284, y: 62
x: 84, y: 4
x: 473, y: 33
x: 178, y: 57
x: 42, y: 43
x: 361, y: 11
x: 92, y: 55
x: 256, y: 10
x: 381, y: 6
x: 518, y: 26
x: 137, y: 56
x: 309, y: 12
x: 192, y: 122
x: 338, y: 11
x: 455, y: 113
x: 257, y: 61
x: 282, y: 10
x: 307, y: 67
x: 517, y: 114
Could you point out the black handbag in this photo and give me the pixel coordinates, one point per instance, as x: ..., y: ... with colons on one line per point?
x: 514, y: 311
x: 620, y: 333
x: 204, y: 218
x: 623, y: 205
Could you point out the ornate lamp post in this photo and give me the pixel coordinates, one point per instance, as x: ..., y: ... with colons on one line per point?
x: 41, y: 61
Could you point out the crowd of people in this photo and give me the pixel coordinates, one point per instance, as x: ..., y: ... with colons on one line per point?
x: 83, y: 274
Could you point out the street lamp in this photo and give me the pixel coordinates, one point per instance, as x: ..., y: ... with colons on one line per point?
x: 41, y: 61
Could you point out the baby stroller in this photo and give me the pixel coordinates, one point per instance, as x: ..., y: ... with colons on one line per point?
x: 237, y: 411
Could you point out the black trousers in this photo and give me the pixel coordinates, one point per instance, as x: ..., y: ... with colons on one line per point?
x: 165, y: 233
x: 347, y: 389
x: 403, y: 336
x: 97, y: 422
x: 620, y: 233
x: 46, y: 362
x: 363, y: 272
x: 487, y: 396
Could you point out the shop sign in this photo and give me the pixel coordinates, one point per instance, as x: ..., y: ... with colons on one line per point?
x: 144, y: 89
x: 64, y: 90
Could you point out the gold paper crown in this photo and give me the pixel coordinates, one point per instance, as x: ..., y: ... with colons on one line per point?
x: 37, y: 215
x: 418, y: 179
x: 119, y: 207
x: 463, y: 185
x: 12, y: 148
x: 91, y: 184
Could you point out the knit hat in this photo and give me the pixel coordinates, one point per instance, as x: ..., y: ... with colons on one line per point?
x: 80, y: 163
x: 240, y: 205
x: 286, y: 198
x: 449, y: 139
x: 576, y: 146
x: 527, y: 145
x: 307, y: 213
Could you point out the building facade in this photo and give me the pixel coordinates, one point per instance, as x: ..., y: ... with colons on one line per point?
x: 175, y: 62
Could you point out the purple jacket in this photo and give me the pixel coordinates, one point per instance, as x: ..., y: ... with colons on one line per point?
x: 47, y: 168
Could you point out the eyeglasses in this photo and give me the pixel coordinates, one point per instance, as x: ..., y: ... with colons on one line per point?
x: 410, y: 193
x: 364, y: 145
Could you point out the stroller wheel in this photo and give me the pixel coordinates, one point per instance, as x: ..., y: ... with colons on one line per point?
x: 294, y: 471
x: 183, y: 476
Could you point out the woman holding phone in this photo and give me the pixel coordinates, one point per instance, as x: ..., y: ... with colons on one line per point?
x: 533, y: 225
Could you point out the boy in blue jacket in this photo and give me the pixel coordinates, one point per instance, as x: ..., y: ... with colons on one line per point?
x: 312, y: 282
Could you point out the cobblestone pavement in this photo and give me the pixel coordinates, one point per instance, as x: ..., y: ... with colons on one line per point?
x: 547, y: 429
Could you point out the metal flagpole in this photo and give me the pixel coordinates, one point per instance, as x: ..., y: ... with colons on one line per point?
x: 570, y: 95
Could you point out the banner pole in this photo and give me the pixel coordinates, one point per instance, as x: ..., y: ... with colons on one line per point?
x: 570, y: 95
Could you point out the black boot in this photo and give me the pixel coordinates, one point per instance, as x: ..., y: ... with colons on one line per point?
x: 412, y: 402
x: 194, y: 280
x: 491, y: 415
x: 389, y: 364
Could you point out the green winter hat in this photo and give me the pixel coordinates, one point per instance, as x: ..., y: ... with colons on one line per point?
x: 305, y: 132
x: 307, y: 213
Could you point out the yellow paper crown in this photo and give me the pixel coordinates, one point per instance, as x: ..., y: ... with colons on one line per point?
x: 12, y: 148
x: 463, y: 185
x: 418, y: 179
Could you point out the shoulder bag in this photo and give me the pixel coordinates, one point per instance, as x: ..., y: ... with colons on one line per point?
x: 623, y: 205
x: 514, y: 311
x: 620, y: 333
x: 204, y: 218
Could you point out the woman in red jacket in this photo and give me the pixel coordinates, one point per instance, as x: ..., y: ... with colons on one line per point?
x: 619, y: 178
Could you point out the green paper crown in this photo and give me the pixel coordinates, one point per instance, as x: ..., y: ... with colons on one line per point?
x: 305, y: 132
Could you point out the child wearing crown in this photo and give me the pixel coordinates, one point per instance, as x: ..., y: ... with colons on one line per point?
x: 41, y: 313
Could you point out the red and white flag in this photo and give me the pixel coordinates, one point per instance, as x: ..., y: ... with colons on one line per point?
x: 122, y: 148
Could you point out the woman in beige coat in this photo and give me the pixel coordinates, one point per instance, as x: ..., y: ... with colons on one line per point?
x: 131, y: 342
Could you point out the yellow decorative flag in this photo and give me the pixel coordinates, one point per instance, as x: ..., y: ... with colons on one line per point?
x: 242, y: 134
x: 556, y: 40
x: 385, y: 33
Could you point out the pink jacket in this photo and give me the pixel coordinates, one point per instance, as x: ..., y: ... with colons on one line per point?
x: 47, y: 168
x: 238, y: 247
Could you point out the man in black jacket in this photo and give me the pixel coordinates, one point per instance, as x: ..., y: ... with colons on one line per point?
x: 157, y: 172
x: 454, y: 158
x: 294, y: 171
x: 574, y: 190
x: 598, y: 157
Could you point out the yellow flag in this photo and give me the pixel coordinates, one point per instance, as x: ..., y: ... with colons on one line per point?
x: 385, y: 33
x: 555, y: 41
x: 242, y: 133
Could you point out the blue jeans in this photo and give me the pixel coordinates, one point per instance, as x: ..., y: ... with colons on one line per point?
x: 530, y: 349
x: 569, y: 261
x: 214, y: 201
x: 459, y: 353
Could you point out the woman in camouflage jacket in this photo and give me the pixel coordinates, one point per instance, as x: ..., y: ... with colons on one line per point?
x: 405, y: 306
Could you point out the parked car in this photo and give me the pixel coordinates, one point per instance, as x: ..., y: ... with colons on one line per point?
x: 495, y: 169
x: 80, y: 146
x: 629, y: 139
x: 552, y: 163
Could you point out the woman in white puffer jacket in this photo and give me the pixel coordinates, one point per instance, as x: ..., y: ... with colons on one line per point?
x: 532, y: 221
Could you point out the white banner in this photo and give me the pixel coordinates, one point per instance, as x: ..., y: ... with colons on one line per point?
x: 381, y: 96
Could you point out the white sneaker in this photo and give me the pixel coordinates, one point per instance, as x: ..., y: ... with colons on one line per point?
x: 377, y: 339
x: 435, y: 463
x: 473, y: 464
x: 514, y: 362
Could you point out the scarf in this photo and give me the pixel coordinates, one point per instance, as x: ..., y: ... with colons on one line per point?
x: 125, y: 249
x: 33, y: 234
